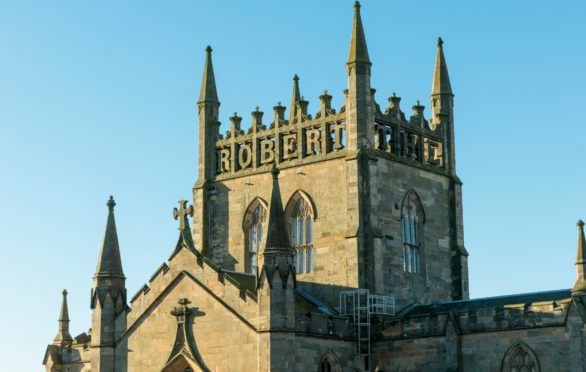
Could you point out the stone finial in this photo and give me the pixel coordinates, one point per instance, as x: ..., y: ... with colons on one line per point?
x: 279, y: 114
x: 394, y: 109
x: 63, y: 336
x: 580, y: 285
x: 256, y: 120
x: 441, y: 79
x: 326, y: 100
x: 358, y: 50
x: 208, y: 92
x: 111, y: 204
x: 109, y: 261
x: 418, y: 109
x: 182, y: 214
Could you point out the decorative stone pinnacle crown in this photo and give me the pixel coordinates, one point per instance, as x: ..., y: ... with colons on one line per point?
x: 111, y: 203
x: 64, y: 293
x: 357, y: 6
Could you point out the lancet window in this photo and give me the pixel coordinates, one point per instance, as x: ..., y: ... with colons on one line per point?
x: 300, y: 216
x: 520, y: 358
x: 411, y: 232
x: 254, y: 228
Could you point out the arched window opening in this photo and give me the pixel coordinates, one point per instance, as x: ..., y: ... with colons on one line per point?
x: 329, y: 363
x: 411, y: 221
x: 254, y: 228
x: 520, y: 358
x: 300, y: 215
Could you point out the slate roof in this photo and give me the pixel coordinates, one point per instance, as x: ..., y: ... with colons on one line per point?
x: 487, y: 302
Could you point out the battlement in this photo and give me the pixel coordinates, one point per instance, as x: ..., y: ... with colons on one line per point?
x: 304, y: 139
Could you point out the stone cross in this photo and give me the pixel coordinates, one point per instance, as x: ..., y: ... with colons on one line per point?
x: 182, y: 213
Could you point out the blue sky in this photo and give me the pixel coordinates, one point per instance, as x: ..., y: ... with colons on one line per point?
x: 98, y: 98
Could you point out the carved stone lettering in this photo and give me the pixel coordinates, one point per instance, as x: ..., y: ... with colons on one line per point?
x: 312, y: 142
x: 289, y: 146
x: 267, y: 151
x: 337, y: 131
x: 224, y: 160
x: 433, y: 153
x: 245, y: 156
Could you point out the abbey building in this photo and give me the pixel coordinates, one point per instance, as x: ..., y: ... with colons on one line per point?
x: 325, y: 242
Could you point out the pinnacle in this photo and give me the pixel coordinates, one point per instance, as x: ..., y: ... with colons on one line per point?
x: 441, y: 79
x: 358, y: 49
x: 277, y: 237
x: 208, y: 91
x: 109, y: 262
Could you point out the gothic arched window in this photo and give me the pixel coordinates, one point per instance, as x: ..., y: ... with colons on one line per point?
x: 412, y: 219
x: 520, y: 358
x: 254, y: 226
x: 300, y: 214
x: 329, y: 363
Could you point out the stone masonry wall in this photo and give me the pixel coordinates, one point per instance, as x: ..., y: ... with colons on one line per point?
x: 390, y: 183
x: 218, y: 333
x: 334, y: 259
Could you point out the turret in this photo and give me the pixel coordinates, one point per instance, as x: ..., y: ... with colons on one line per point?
x: 360, y: 103
x: 276, y: 289
x: 108, y: 301
x: 579, y: 288
x: 63, y: 337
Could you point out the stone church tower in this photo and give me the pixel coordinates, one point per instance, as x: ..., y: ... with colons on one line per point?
x: 328, y: 242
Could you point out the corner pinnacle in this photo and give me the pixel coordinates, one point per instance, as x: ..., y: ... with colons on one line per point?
x: 441, y: 78
x: 208, y: 91
x: 358, y: 49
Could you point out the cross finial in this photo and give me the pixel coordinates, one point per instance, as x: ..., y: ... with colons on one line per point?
x: 111, y: 204
x: 182, y: 214
x: 440, y: 42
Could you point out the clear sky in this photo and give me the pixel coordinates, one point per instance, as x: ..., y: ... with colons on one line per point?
x: 98, y: 98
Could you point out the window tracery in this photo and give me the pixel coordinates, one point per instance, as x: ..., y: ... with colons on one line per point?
x: 300, y: 215
x: 254, y: 226
x: 411, y: 221
x: 520, y: 358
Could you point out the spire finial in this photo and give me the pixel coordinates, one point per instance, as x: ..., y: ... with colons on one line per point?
x: 275, y: 171
x: 208, y: 91
x: 111, y: 204
x: 441, y: 79
x: 358, y: 50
